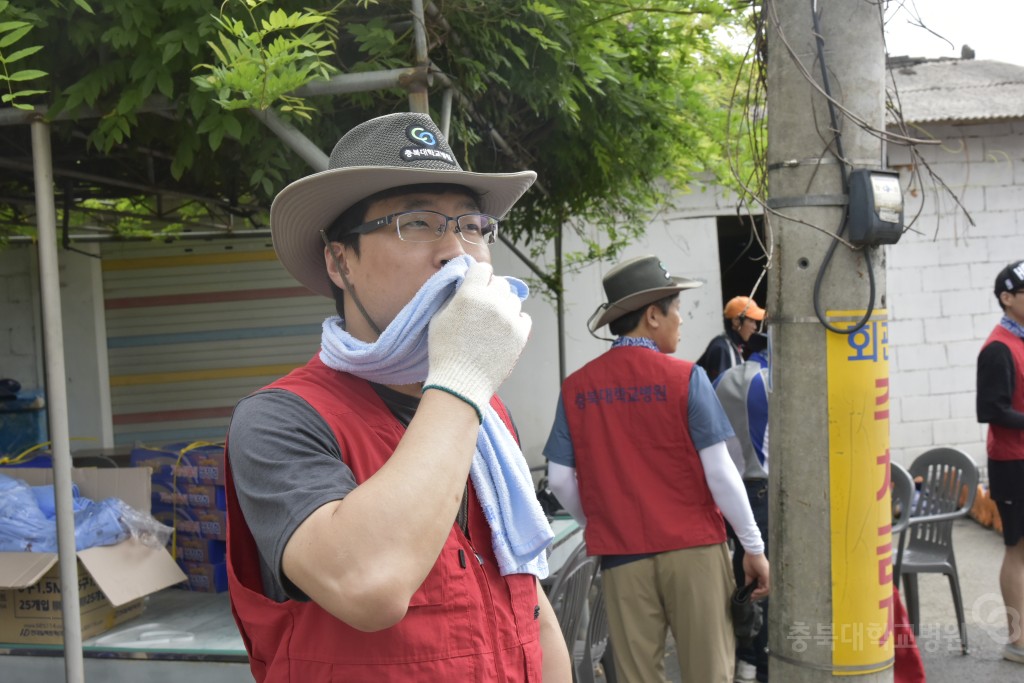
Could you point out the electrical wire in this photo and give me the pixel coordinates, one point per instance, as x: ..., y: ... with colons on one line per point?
x: 753, y: 185
x: 838, y: 137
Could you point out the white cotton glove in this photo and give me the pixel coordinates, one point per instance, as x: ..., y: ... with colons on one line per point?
x: 476, y: 339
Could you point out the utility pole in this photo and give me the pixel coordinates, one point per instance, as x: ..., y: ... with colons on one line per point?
x: 831, y: 604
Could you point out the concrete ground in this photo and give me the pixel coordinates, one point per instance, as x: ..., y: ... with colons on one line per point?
x: 979, y: 553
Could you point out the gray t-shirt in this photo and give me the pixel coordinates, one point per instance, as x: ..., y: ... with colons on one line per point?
x: 286, y: 463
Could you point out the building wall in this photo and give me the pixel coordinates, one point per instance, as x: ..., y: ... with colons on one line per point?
x: 192, y: 327
x: 84, y: 335
x: 941, y: 276
x: 686, y: 240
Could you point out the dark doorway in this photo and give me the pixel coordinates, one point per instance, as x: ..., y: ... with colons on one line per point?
x: 741, y: 257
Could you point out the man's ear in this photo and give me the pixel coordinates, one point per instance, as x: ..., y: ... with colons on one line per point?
x: 651, y: 316
x: 335, y: 258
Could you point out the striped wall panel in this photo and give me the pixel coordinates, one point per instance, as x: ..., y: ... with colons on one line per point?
x: 194, y: 327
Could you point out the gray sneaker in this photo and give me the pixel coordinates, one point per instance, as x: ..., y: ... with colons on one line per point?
x: 1014, y: 653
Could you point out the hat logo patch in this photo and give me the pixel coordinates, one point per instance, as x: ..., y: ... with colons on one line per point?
x: 1019, y: 271
x: 421, y: 135
x: 426, y: 147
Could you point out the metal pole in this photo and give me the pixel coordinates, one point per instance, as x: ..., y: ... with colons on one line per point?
x: 808, y: 623
x: 560, y: 303
x: 11, y: 116
x: 418, y: 92
x: 300, y: 144
x: 261, y: 233
x: 364, y: 81
x: 446, y: 111
x: 57, y: 399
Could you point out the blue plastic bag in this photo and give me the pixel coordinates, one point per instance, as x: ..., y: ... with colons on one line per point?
x: 48, y: 504
x: 23, y: 526
x: 28, y: 519
x: 99, y: 524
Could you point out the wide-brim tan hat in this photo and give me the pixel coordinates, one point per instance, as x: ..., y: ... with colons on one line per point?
x: 633, y: 284
x: 382, y: 153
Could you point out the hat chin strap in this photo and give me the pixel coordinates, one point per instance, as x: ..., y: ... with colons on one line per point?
x: 349, y: 289
x: 600, y: 309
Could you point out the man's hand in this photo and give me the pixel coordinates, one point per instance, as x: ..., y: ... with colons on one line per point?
x: 476, y: 339
x: 755, y: 568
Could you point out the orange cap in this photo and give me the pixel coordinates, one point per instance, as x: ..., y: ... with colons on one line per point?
x: 743, y: 306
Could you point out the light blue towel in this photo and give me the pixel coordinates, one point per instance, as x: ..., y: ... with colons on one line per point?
x: 501, y: 479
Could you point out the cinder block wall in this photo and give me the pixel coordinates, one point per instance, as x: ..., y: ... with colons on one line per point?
x: 940, y: 278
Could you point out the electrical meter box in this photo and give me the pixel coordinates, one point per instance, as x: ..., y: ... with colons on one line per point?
x: 876, y: 207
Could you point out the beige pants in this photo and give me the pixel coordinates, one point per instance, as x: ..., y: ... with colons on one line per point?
x: 686, y: 590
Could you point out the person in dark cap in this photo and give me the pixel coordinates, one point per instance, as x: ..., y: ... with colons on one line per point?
x: 1000, y: 404
x: 637, y: 455
x: 742, y: 318
x: 382, y: 521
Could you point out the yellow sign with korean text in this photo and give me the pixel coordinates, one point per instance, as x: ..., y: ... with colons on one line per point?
x: 861, y: 512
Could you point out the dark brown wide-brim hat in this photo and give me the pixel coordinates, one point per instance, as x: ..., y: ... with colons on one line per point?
x: 382, y: 153
x: 633, y: 284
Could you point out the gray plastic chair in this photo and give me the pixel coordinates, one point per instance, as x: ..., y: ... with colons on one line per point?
x: 902, y: 496
x: 949, y: 483
x: 570, y: 594
x: 902, y: 500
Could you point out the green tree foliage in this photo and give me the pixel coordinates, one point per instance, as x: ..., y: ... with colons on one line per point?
x: 262, y: 60
x: 12, y: 31
x: 615, y: 103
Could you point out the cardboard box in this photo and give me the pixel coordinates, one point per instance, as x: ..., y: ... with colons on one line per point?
x: 210, y: 524
x: 112, y: 580
x: 189, y: 495
x: 199, y: 550
x: 206, y: 578
x: 178, y: 463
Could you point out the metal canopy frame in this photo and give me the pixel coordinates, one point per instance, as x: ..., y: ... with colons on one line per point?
x: 416, y: 80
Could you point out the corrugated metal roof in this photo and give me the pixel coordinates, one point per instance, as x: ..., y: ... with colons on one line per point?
x: 956, y: 90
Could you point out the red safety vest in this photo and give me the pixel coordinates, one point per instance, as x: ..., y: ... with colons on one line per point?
x: 465, y: 623
x: 640, y: 478
x: 1004, y: 443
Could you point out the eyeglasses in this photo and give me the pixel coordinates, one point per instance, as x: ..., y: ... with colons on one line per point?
x: 430, y: 226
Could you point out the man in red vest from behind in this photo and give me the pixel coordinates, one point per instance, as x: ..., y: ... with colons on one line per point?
x: 1000, y: 403
x: 637, y: 454
x: 382, y: 521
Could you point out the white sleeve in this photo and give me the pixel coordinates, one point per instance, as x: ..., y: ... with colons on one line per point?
x: 562, y: 481
x: 764, y: 447
x: 730, y: 496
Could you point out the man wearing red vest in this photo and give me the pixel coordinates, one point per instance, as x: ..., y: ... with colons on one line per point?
x: 1000, y: 403
x: 382, y: 521
x: 637, y: 454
